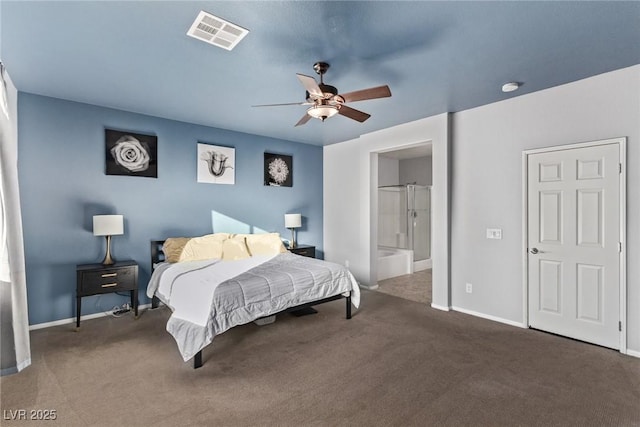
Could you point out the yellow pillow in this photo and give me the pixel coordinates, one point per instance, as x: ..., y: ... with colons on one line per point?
x: 218, y: 236
x: 265, y: 244
x: 173, y: 247
x: 180, y: 249
x: 201, y: 248
x: 234, y: 249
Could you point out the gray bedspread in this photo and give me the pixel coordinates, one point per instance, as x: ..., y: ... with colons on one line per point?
x: 285, y: 281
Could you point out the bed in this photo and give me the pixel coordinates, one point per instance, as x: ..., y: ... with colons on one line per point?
x: 209, y: 295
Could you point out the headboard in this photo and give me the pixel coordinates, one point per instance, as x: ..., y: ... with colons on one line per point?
x: 156, y: 253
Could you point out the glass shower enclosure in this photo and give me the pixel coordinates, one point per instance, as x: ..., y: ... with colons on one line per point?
x: 404, y: 218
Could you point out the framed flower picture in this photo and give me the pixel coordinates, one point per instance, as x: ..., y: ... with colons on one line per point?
x: 131, y: 154
x: 278, y: 170
x: 216, y: 164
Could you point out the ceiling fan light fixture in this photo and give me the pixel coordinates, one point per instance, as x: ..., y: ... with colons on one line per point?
x: 322, y: 112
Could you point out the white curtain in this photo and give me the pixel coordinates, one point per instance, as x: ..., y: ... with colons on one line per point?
x: 15, y: 349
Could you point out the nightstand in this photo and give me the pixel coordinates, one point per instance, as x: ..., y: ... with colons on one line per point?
x: 304, y: 250
x: 94, y: 279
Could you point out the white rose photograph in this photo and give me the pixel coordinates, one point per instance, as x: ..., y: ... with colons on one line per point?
x: 278, y: 170
x: 216, y: 165
x: 131, y: 154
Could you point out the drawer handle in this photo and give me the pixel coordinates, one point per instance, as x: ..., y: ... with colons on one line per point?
x: 109, y: 285
x: 109, y: 275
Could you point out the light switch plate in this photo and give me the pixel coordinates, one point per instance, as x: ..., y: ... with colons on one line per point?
x: 494, y: 233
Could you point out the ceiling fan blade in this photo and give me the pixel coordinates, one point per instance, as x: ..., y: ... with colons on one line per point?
x: 303, y: 120
x: 310, y: 85
x: 279, y: 105
x: 371, y: 93
x: 352, y: 113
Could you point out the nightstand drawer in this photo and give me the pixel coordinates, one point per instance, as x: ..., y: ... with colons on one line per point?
x: 108, y: 280
x: 308, y: 251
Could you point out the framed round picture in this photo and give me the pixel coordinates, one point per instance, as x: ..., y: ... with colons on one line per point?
x: 278, y: 170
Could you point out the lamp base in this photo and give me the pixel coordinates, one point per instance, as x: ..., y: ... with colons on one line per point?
x: 292, y: 243
x: 107, y: 258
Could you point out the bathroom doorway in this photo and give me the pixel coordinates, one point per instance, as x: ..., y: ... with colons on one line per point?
x: 404, y: 223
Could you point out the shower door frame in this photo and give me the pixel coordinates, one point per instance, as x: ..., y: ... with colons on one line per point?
x: 411, y: 236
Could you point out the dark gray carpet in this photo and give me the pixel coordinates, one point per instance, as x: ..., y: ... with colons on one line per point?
x: 416, y: 286
x: 396, y: 363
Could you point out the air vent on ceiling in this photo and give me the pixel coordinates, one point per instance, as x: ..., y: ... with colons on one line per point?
x: 216, y: 31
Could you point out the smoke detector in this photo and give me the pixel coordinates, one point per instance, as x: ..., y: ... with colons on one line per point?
x: 510, y: 87
x: 216, y: 31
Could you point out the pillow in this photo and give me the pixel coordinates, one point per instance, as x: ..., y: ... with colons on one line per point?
x: 234, y: 249
x: 173, y: 247
x: 265, y: 244
x: 180, y: 249
x: 201, y: 248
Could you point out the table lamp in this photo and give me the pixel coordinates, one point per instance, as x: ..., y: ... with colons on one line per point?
x: 108, y: 225
x: 292, y: 221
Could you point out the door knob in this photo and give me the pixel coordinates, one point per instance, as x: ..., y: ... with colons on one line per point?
x: 534, y: 250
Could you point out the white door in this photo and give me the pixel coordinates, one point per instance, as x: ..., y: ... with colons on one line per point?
x: 574, y: 242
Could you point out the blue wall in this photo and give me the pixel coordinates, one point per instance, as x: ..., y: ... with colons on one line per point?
x: 63, y: 184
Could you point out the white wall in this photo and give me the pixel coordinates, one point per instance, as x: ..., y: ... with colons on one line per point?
x: 350, y: 190
x: 487, y: 184
x: 388, y: 171
x: 416, y: 170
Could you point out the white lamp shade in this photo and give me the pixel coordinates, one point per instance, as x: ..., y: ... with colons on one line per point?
x: 292, y: 220
x: 108, y: 225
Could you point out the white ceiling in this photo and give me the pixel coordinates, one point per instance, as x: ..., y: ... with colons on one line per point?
x: 435, y: 56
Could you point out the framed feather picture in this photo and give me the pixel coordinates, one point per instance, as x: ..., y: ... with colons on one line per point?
x: 216, y: 165
x: 278, y: 170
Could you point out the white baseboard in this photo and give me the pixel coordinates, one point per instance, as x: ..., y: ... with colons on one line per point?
x: 490, y: 317
x: 633, y: 353
x: 424, y: 264
x: 440, y: 307
x: 73, y: 319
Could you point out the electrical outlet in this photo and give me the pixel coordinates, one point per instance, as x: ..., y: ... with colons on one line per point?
x: 469, y: 288
x: 494, y: 233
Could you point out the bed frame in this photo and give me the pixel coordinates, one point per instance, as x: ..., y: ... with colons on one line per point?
x: 158, y: 256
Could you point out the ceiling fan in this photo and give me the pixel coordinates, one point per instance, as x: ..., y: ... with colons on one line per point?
x: 325, y: 101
